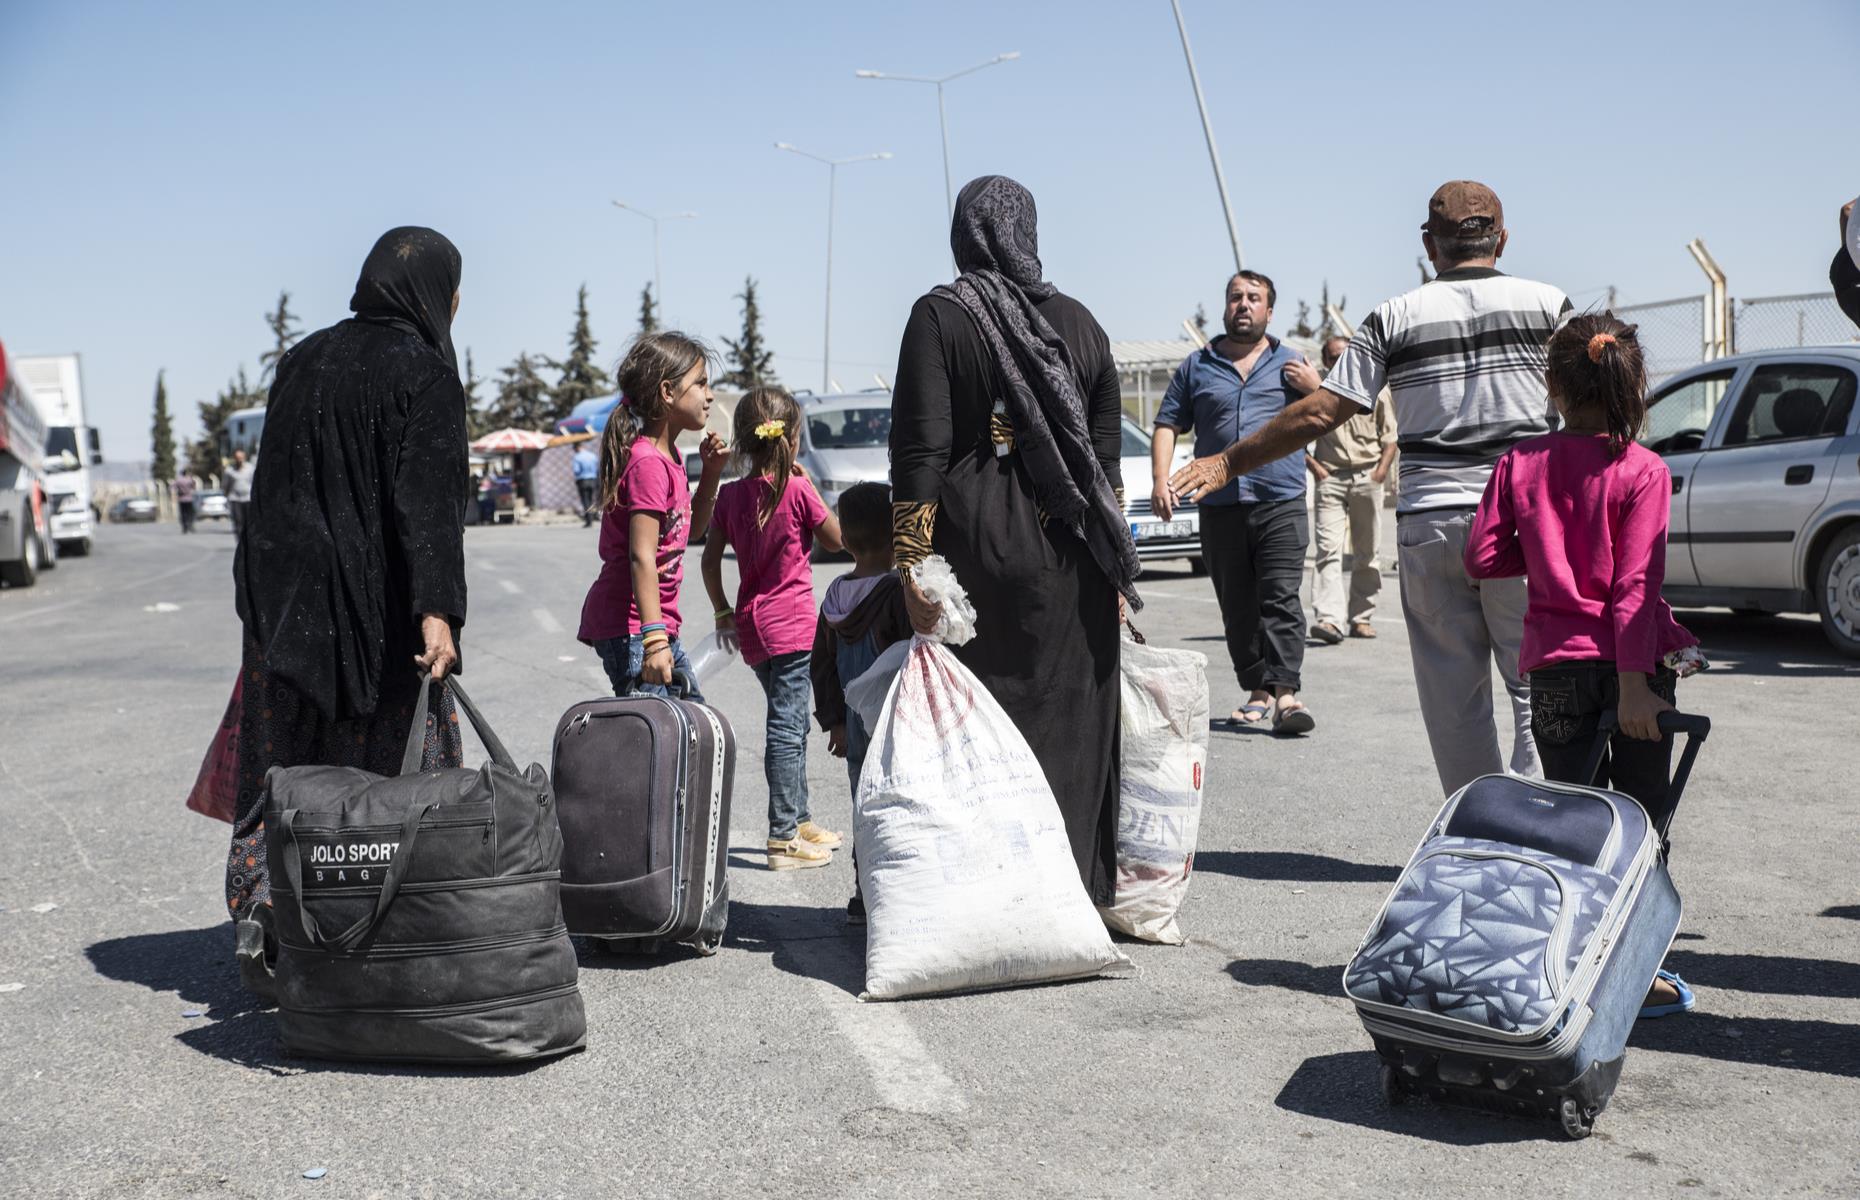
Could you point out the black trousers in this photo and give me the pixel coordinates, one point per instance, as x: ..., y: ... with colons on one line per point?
x: 1567, y: 702
x: 587, y: 489
x: 1255, y: 554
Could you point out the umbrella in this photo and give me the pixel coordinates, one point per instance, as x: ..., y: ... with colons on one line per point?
x: 510, y: 441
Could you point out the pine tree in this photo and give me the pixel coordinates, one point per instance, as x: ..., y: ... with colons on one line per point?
x: 161, y: 452
x: 284, y: 335
x: 1201, y: 321
x: 522, y: 396
x: 204, y: 460
x: 648, y: 311
x: 477, y: 415
x: 582, y: 378
x: 751, y: 364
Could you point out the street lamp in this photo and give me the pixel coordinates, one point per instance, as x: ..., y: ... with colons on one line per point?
x: 833, y: 169
x: 1207, y: 130
x: 942, y: 113
x: 658, y: 282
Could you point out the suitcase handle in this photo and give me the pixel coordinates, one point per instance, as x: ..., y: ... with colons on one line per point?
x: 684, y: 684
x: 1696, y: 727
x: 416, y: 733
x: 390, y: 886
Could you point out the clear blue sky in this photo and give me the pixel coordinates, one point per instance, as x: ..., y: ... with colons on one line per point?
x: 170, y: 167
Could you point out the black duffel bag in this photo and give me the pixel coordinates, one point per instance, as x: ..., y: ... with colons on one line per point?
x: 419, y: 917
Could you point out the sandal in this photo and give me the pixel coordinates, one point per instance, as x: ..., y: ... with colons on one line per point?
x: 1250, y: 714
x: 1288, y: 722
x: 1327, y: 633
x: 1685, y: 1003
x: 1362, y: 629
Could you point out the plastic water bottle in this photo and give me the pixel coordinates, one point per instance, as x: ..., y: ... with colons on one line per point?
x: 710, y: 656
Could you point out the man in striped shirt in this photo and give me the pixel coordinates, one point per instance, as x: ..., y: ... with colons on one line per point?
x: 1463, y: 358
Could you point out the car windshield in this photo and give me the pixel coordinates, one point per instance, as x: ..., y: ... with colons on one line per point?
x: 61, y: 450
x: 1136, y: 442
x: 849, y: 428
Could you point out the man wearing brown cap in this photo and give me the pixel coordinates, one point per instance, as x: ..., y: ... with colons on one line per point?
x: 1463, y: 359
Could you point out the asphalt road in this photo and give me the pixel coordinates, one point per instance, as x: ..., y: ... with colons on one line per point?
x: 1228, y: 1066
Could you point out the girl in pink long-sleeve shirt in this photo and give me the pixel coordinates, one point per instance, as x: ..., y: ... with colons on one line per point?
x: 1582, y: 514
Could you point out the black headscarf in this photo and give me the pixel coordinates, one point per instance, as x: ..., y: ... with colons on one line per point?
x: 408, y: 281
x: 996, y: 241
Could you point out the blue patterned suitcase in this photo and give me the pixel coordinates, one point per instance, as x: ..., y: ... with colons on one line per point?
x: 1510, y: 961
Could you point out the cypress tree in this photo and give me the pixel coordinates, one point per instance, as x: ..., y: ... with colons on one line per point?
x: 477, y: 416
x: 751, y: 362
x: 284, y: 334
x: 161, y: 451
x: 582, y: 378
x: 648, y: 311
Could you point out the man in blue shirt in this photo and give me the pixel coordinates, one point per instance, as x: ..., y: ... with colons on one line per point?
x: 1254, y: 530
x: 587, y: 479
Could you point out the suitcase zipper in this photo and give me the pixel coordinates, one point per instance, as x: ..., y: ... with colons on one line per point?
x: 442, y: 1010
x: 432, y: 949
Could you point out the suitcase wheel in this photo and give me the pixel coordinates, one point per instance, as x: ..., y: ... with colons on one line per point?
x: 1577, y: 1122
x: 707, y: 944
x: 1394, y: 1092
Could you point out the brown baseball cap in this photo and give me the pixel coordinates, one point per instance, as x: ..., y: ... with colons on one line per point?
x: 1464, y: 209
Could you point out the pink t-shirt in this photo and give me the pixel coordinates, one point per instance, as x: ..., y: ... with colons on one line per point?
x: 653, y: 483
x: 1588, y: 533
x: 775, y: 599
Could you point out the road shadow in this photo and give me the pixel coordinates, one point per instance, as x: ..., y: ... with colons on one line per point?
x: 1293, y: 976
x: 1768, y: 975
x: 815, y: 943
x: 1773, y: 647
x: 1847, y: 912
x: 1292, y: 866
x: 236, y: 1027
x: 1345, y: 1088
x: 1826, y: 1047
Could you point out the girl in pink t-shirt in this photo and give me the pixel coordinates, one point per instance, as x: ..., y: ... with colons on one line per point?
x: 648, y: 517
x: 1581, y: 513
x: 772, y: 517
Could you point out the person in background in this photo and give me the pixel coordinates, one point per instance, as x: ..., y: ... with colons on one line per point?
x: 487, y: 497
x: 1350, y: 464
x: 185, y: 490
x: 772, y: 517
x: 365, y: 434
x: 239, y: 490
x: 1463, y: 359
x: 1582, y: 514
x: 862, y: 616
x: 587, y: 479
x: 648, y: 516
x: 1844, y: 272
x: 1253, y: 528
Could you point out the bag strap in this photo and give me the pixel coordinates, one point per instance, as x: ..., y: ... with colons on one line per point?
x: 416, y: 734
x: 390, y: 886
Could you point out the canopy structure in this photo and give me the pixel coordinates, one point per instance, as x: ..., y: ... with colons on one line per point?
x: 510, y: 441
x: 592, y: 415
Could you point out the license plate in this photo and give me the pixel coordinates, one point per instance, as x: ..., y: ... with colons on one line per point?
x: 1145, y: 530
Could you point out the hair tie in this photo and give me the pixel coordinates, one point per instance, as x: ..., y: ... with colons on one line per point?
x: 1598, y: 343
x: 770, y: 431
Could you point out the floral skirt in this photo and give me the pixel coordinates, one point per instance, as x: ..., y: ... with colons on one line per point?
x: 281, y: 727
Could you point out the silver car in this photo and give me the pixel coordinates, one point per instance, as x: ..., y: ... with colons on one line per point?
x: 1764, y: 449
x: 846, y: 439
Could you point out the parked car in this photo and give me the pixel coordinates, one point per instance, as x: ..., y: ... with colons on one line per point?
x: 131, y: 509
x: 1764, y: 449
x: 1156, y: 539
x: 213, y: 507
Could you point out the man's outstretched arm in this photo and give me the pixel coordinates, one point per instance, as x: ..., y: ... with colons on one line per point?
x: 1296, y: 427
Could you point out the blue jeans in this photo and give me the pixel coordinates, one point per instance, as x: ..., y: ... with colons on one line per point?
x: 786, y: 683
x: 625, y: 657
x: 854, y: 660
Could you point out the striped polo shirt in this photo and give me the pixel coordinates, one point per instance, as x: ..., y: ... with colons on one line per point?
x: 1463, y: 358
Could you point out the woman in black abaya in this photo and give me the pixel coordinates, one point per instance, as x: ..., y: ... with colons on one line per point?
x: 1006, y: 440
x: 351, y: 575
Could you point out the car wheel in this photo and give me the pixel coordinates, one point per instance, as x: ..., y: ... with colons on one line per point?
x: 1837, y: 589
x: 26, y: 571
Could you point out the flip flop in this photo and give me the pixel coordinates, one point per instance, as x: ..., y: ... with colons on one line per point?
x: 1259, y: 719
x: 1298, y: 720
x: 1685, y: 1003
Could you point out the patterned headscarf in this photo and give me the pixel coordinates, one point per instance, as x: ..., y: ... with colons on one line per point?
x: 997, y: 246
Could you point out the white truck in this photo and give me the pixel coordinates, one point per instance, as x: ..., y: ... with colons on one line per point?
x: 26, y: 545
x: 72, y: 447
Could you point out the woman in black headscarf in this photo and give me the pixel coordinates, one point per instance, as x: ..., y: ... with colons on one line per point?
x: 351, y: 575
x: 1006, y: 441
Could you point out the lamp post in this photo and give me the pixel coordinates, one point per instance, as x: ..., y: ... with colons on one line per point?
x: 658, y: 282
x: 942, y: 112
x: 833, y: 168
x: 1207, y: 130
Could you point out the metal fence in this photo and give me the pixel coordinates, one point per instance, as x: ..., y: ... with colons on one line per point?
x: 1778, y: 322
x: 1671, y: 334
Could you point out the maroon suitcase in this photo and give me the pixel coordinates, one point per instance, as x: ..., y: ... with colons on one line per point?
x: 642, y: 786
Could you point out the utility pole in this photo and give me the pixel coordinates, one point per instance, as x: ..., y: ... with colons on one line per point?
x: 833, y: 166
x: 1207, y: 129
x: 658, y: 281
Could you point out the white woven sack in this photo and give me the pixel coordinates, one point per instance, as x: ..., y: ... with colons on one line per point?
x: 968, y: 875
x: 1163, y: 713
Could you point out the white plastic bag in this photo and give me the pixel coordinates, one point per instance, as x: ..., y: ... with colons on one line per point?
x: 968, y: 875
x: 710, y: 655
x: 1163, y: 713
x: 866, y: 694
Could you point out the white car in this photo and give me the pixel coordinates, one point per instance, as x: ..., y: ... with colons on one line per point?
x: 1156, y: 539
